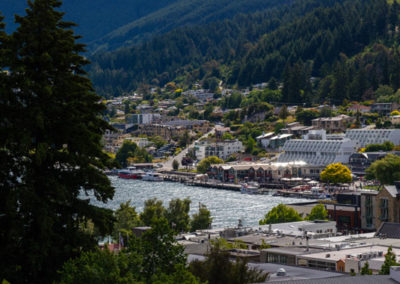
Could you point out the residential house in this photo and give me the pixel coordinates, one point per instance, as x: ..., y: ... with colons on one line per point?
x: 384, y: 108
x: 359, y: 108
x: 332, y: 124
x: 395, y: 119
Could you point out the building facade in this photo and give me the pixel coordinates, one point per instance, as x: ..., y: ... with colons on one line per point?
x: 363, y: 137
x: 220, y: 149
x: 318, y: 152
x: 387, y: 207
x: 332, y: 124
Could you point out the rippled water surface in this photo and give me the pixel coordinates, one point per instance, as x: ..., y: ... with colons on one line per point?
x: 226, y: 206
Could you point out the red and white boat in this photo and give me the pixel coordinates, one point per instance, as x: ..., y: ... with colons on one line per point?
x: 130, y: 173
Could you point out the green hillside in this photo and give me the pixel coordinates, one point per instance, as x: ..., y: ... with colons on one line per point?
x: 251, y: 48
x: 94, y: 18
x: 178, y: 14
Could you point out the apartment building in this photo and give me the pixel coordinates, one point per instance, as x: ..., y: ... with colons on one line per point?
x: 363, y: 137
x: 332, y: 124
x: 220, y: 149
x: 317, y: 152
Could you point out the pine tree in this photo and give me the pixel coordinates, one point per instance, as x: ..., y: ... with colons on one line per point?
x: 54, y: 148
x: 365, y: 269
x: 390, y: 260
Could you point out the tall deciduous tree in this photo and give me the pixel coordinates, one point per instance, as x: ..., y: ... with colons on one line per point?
x: 201, y: 220
x: 336, y: 173
x: 281, y: 214
x: 126, y: 218
x: 153, y: 210
x: 204, y: 164
x: 386, y: 170
x: 177, y: 214
x: 54, y: 125
x: 318, y: 212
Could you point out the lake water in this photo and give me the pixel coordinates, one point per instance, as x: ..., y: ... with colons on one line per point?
x: 226, y: 207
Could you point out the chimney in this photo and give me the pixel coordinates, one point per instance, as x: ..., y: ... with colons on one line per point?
x: 397, y: 184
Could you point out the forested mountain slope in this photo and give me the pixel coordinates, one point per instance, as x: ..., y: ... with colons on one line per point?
x: 94, y: 18
x: 250, y: 48
x: 181, y: 13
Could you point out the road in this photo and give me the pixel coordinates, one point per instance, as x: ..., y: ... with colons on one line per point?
x: 167, y: 165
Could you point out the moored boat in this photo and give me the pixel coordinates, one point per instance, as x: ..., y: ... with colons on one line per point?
x: 130, y: 173
x: 250, y: 188
x: 152, y: 176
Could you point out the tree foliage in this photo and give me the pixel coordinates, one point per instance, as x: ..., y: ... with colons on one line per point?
x: 153, y: 210
x: 205, y: 164
x: 281, y: 214
x: 177, y: 215
x: 218, y: 268
x: 126, y: 218
x: 336, y: 173
x: 385, y: 146
x: 175, y: 165
x: 155, y: 257
x: 365, y: 270
x: 50, y: 148
x: 131, y: 152
x: 202, y: 219
x: 390, y: 260
x: 318, y: 212
x: 386, y: 170
x: 291, y: 42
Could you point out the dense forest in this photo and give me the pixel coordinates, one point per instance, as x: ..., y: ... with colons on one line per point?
x: 178, y: 14
x: 292, y: 42
x: 94, y: 19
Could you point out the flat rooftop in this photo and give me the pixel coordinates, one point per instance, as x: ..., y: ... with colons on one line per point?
x: 336, y: 255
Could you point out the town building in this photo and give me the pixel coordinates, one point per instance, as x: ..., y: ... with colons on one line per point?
x: 194, y: 125
x: 140, y: 141
x: 384, y: 108
x: 201, y: 94
x: 332, y: 124
x: 346, y: 260
x: 316, y: 150
x: 262, y: 172
x: 164, y: 131
x: 263, y: 139
x: 359, y: 108
x: 359, y: 162
x: 221, y: 149
x: 276, y: 142
x: 395, y: 119
x: 363, y: 137
x: 387, y: 207
x: 143, y: 118
x: 296, y: 129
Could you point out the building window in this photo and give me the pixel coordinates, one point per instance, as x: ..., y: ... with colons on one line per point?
x: 384, y: 206
x: 369, y: 211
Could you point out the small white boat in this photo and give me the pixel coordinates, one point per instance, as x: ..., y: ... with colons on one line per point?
x: 250, y: 188
x: 151, y: 176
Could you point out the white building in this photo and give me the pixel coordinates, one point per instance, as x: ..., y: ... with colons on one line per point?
x: 141, y: 142
x: 222, y: 149
x: 264, y: 139
x: 363, y: 137
x: 143, y: 118
x: 317, y: 152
